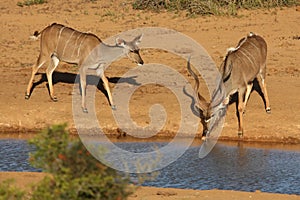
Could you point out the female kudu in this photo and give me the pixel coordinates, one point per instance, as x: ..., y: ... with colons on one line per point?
x: 61, y: 43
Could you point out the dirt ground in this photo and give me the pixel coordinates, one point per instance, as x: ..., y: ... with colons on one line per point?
x: 279, y: 27
x: 152, y: 193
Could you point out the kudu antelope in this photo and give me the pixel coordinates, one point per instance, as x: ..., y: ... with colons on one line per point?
x: 239, y: 69
x: 61, y: 43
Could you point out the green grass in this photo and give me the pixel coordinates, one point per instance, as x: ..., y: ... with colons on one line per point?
x: 210, y: 7
x: 31, y: 2
x: 8, y: 191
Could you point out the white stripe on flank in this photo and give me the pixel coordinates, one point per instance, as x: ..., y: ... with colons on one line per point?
x: 60, y: 31
x: 78, y: 50
x: 75, y: 45
x: 67, y: 44
x: 247, y: 57
x: 253, y: 45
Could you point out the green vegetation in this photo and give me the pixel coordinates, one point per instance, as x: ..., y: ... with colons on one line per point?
x: 8, y: 192
x: 75, y: 174
x: 31, y: 2
x: 209, y: 7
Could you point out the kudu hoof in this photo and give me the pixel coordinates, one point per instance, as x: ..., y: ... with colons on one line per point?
x: 27, y: 96
x: 268, y: 110
x: 85, y: 110
x: 54, y: 99
x: 113, y: 107
x: 240, y: 134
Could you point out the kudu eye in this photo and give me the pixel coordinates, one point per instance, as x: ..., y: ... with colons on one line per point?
x: 134, y: 51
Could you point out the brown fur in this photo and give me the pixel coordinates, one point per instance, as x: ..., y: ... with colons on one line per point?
x: 239, y: 69
x: 61, y: 43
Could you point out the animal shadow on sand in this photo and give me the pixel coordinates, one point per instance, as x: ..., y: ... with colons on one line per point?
x: 71, y: 78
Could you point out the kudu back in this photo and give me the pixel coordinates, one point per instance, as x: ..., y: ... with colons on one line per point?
x: 61, y: 43
x: 240, y: 67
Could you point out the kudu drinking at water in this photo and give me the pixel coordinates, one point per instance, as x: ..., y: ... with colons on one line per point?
x: 61, y: 43
x: 240, y: 67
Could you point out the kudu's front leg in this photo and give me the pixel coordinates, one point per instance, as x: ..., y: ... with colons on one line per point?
x: 240, y: 111
x: 82, y: 73
x: 30, y: 83
x: 40, y: 62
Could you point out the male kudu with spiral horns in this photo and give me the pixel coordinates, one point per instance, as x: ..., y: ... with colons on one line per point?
x: 240, y: 67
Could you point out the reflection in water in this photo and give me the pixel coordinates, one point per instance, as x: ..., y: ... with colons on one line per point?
x: 225, y: 167
x: 234, y: 168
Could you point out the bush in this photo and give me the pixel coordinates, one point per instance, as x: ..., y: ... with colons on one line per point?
x: 31, y: 2
x: 209, y: 7
x: 8, y: 192
x: 75, y: 174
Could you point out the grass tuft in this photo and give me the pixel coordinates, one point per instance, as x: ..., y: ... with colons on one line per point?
x: 31, y: 2
x: 209, y: 7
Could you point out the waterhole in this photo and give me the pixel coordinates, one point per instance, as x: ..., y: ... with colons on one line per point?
x: 233, y: 166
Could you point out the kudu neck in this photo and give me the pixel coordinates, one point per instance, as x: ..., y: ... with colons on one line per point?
x: 111, y: 52
x: 226, y: 77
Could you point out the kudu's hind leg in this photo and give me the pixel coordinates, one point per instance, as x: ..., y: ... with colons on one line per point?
x: 264, y: 87
x: 40, y: 62
x: 248, y: 91
x: 106, y: 86
x: 52, y: 65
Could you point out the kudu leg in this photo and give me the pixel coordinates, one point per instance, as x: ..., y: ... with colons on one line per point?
x: 106, y: 86
x: 35, y: 69
x: 52, y: 65
x: 83, y: 89
x: 240, y: 111
x: 248, y: 91
x: 264, y: 86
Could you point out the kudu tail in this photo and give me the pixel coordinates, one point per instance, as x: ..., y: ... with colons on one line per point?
x: 35, y: 35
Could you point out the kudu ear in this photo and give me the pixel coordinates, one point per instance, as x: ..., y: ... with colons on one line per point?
x: 137, y: 40
x: 120, y: 42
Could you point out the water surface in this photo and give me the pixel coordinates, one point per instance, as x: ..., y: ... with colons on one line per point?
x: 227, y: 167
